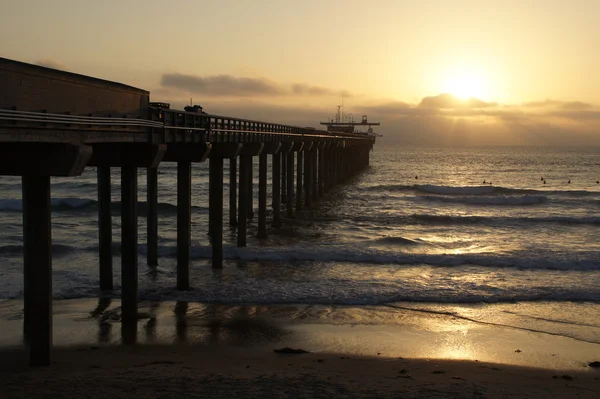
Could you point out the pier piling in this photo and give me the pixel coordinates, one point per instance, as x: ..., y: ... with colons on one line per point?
x: 184, y: 220
x: 233, y: 191
x: 290, y: 184
x: 262, y: 195
x: 152, y: 216
x: 37, y: 256
x: 216, y: 211
x: 284, y: 155
x: 105, y: 228
x: 299, y: 180
x: 276, y: 188
x: 129, y: 250
x: 245, y: 165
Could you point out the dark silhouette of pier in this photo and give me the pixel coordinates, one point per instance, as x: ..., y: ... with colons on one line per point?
x: 55, y: 123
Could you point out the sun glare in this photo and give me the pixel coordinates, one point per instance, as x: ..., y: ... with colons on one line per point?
x: 465, y: 84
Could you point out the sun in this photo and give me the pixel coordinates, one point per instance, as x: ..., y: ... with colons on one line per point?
x: 465, y: 83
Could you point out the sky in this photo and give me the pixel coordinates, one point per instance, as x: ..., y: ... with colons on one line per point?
x: 460, y: 73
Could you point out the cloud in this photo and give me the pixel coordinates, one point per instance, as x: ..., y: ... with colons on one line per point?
x: 221, y: 85
x: 49, y: 63
x: 469, y: 123
x: 448, y: 101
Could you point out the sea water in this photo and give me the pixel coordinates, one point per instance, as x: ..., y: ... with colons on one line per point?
x: 419, y: 228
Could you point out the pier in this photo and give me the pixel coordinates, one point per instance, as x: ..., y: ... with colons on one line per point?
x: 55, y: 123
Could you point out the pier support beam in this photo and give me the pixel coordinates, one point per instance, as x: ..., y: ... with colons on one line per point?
x: 216, y: 210
x: 233, y: 191
x: 184, y: 219
x: 37, y: 253
x: 152, y: 216
x: 276, y: 188
x: 105, y: 228
x: 262, y: 195
x: 129, y: 252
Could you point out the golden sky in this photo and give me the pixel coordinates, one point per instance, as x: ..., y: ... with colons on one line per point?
x: 533, y: 67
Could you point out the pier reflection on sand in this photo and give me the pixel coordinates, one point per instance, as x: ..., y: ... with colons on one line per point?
x: 185, y: 322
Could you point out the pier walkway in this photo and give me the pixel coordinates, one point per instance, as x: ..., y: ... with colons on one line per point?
x: 55, y: 123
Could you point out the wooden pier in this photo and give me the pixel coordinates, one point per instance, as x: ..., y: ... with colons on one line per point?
x: 55, y: 123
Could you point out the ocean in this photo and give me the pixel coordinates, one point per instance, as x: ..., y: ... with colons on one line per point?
x: 419, y: 229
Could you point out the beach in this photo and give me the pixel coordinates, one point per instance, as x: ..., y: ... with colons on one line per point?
x: 398, y: 287
x: 204, y: 350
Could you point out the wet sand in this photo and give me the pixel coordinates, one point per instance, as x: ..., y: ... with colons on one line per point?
x: 208, y: 350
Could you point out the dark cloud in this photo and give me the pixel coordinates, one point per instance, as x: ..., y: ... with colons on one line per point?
x: 541, y: 104
x: 48, y: 63
x: 305, y: 89
x: 228, y: 85
x: 565, y: 105
x: 576, y: 115
x: 221, y: 85
x: 448, y: 101
x: 576, y: 105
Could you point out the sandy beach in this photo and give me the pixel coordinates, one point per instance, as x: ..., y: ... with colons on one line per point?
x: 205, y: 371
x: 204, y: 350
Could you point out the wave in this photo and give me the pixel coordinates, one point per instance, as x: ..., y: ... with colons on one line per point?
x: 490, y: 200
x: 374, y: 256
x: 473, y: 190
x: 58, y: 250
x: 392, y: 240
x: 441, y: 219
x: 86, y: 204
x: 426, y: 219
